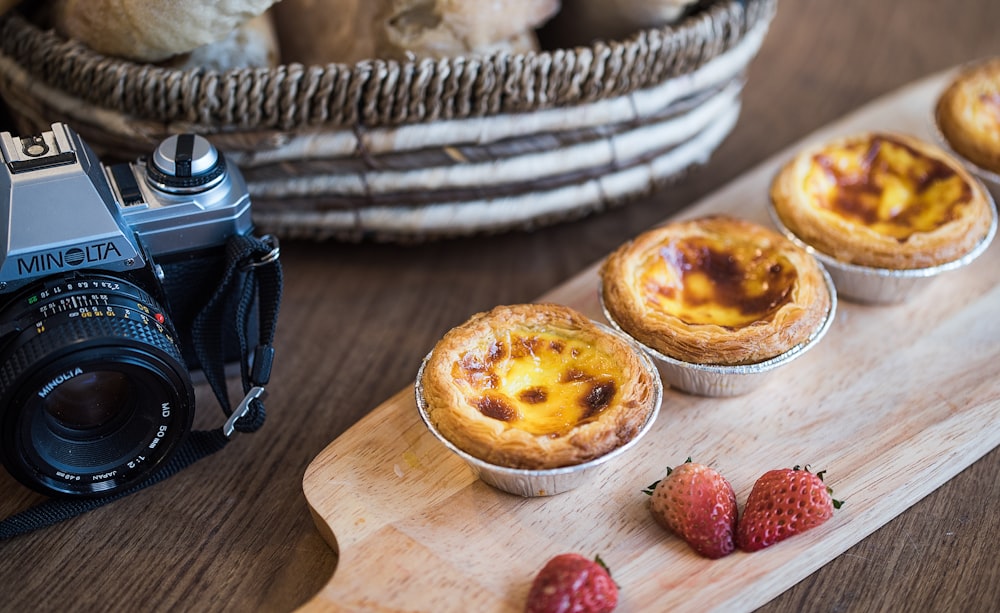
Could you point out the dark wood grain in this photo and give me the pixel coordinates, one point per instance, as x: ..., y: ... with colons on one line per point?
x: 233, y: 533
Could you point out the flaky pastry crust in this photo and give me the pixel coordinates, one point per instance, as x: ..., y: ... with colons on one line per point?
x: 715, y: 290
x: 882, y: 200
x: 536, y: 386
x: 968, y: 114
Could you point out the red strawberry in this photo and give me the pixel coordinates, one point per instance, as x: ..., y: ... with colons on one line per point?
x: 784, y: 503
x: 569, y: 583
x: 697, y: 504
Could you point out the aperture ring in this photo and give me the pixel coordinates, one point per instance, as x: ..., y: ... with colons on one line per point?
x: 34, y: 347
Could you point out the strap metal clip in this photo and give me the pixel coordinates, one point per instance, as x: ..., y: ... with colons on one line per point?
x: 242, y: 409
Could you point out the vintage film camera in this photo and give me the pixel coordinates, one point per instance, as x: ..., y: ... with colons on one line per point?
x: 102, y: 272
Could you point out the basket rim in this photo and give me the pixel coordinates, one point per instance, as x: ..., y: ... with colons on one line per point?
x: 588, y: 153
x: 377, y: 92
x: 535, y: 207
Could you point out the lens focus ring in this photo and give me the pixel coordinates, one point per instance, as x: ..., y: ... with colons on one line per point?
x: 75, y: 345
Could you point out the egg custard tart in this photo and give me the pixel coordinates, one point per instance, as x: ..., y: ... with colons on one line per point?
x: 536, y: 386
x: 715, y: 290
x: 882, y: 200
x: 968, y: 114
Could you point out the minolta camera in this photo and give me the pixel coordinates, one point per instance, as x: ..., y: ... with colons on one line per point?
x: 103, y: 269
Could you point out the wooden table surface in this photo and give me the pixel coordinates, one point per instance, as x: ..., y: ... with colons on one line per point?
x: 233, y: 533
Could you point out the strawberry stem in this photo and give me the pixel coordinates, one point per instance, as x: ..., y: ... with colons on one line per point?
x: 602, y: 564
x: 649, y: 489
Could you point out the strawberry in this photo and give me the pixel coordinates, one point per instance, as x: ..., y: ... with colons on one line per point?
x: 697, y: 504
x: 570, y: 582
x: 784, y: 503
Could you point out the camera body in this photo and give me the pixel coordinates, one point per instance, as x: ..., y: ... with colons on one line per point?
x: 103, y: 269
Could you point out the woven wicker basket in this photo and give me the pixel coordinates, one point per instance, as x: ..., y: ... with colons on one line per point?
x: 422, y: 149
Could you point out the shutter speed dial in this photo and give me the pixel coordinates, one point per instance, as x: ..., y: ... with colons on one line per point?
x: 184, y: 164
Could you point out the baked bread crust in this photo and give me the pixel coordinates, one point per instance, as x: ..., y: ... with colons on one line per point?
x: 968, y: 114
x: 536, y: 386
x: 882, y: 200
x: 715, y: 290
x: 443, y: 28
x: 151, y: 30
x: 253, y: 44
x: 316, y: 32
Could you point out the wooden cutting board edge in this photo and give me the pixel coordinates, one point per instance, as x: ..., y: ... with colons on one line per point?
x: 867, y: 514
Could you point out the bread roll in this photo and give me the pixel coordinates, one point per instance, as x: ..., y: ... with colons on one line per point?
x: 253, y: 44
x: 442, y: 28
x: 151, y: 30
x: 348, y: 31
x: 523, y: 42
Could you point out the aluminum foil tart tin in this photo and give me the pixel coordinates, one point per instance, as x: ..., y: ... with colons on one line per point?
x: 721, y: 380
x: 869, y: 285
x: 550, y: 481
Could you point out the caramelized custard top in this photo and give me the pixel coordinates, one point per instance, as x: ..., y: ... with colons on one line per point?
x: 718, y: 280
x: 887, y: 186
x: 540, y: 382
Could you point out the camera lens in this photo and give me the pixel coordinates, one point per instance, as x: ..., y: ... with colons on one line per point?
x: 94, y: 393
x: 88, y: 402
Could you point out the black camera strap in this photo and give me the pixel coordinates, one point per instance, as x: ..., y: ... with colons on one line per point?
x: 252, y: 277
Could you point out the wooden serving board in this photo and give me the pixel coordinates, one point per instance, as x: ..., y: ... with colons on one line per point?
x: 893, y: 402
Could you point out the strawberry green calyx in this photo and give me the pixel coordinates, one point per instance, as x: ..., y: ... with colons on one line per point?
x: 649, y: 488
x: 697, y: 504
x: 571, y: 582
x: 822, y: 477
x: 783, y: 503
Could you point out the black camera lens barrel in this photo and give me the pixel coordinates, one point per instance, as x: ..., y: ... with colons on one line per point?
x: 94, y: 393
